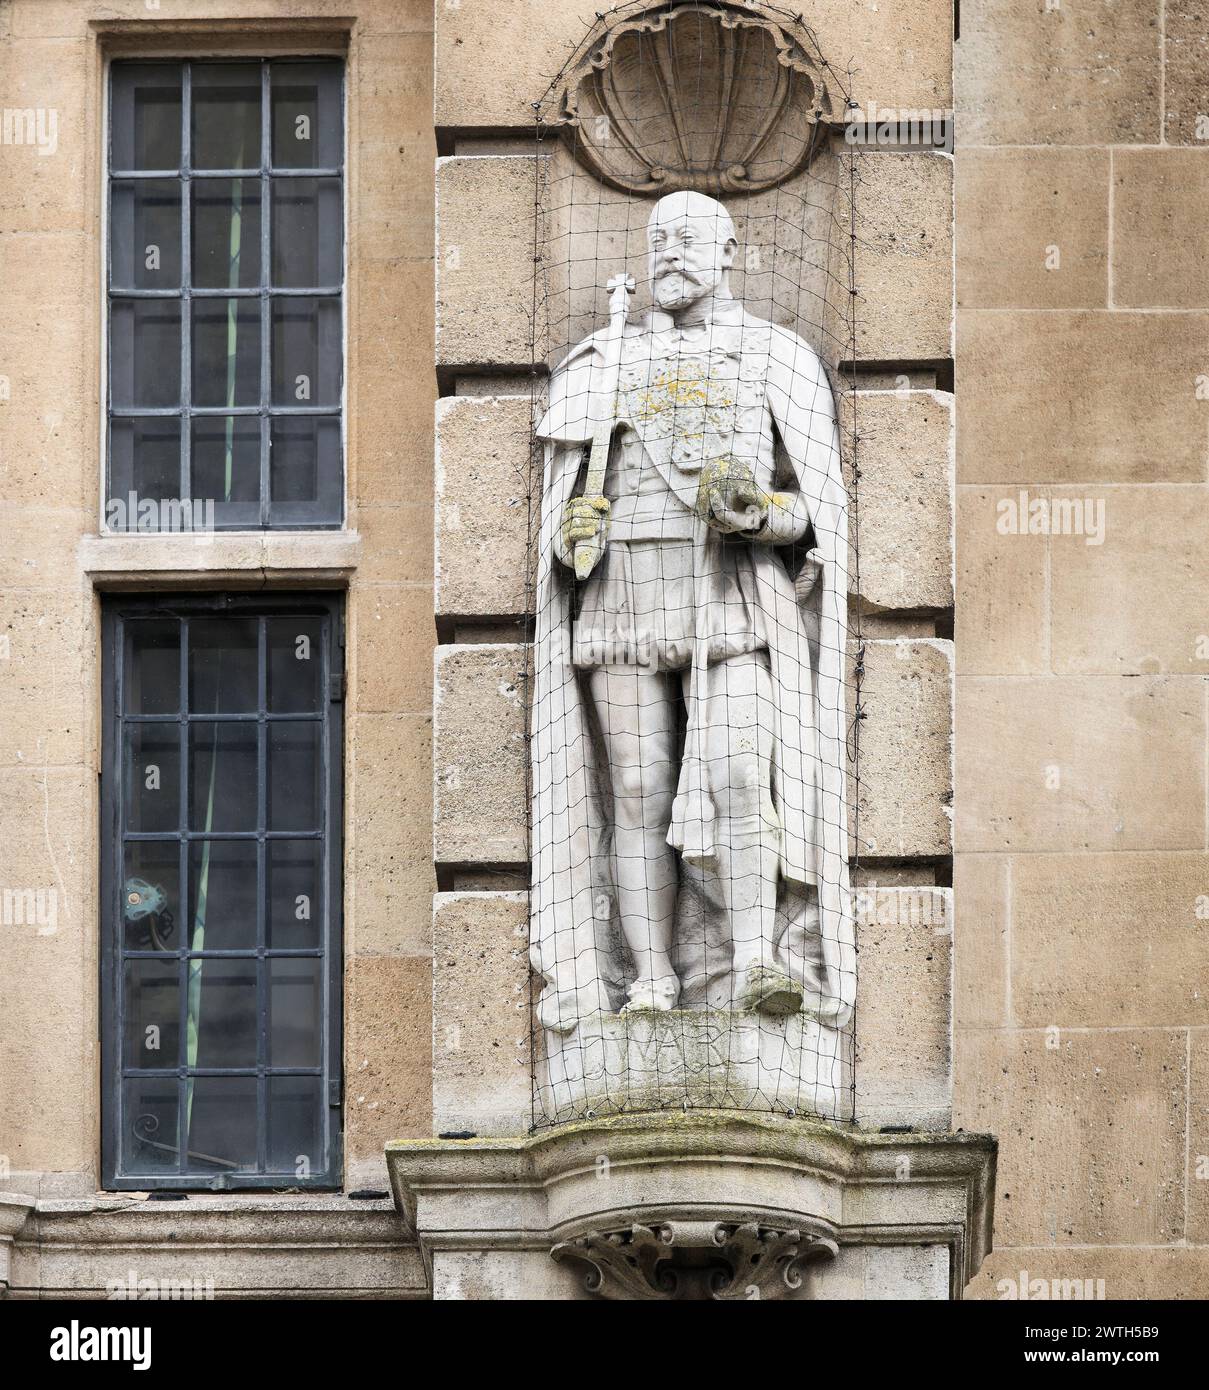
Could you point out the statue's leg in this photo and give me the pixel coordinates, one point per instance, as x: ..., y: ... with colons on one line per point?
x: 637, y: 712
x: 739, y: 750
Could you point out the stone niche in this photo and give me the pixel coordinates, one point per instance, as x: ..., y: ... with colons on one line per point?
x: 677, y: 1155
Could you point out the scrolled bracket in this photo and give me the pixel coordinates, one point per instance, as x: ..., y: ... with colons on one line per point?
x: 695, y: 1260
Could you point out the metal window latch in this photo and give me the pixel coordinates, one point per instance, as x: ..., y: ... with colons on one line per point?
x: 333, y: 1090
x: 336, y: 687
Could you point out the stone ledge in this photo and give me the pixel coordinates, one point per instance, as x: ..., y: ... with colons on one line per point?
x: 216, y: 558
x: 280, y: 1246
x: 488, y: 1212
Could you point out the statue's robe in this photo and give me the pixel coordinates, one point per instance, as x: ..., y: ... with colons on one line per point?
x: 761, y: 388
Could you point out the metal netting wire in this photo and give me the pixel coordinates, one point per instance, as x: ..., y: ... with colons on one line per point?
x: 636, y: 673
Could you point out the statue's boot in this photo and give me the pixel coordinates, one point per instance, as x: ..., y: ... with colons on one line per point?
x: 768, y: 990
x: 659, y: 996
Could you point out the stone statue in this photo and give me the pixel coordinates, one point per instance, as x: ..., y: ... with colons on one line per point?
x: 689, y: 812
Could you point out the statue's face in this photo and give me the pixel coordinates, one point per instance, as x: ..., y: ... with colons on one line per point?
x: 691, y: 251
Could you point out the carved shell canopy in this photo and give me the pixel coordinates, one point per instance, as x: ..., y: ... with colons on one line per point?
x: 714, y: 98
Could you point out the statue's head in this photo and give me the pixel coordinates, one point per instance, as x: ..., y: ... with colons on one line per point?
x: 693, y: 245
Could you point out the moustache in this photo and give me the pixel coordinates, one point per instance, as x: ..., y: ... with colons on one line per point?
x: 665, y: 271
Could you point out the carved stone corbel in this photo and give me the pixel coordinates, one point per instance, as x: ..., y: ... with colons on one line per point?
x: 695, y: 1260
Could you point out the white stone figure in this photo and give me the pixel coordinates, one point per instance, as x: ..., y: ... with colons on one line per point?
x: 689, y: 811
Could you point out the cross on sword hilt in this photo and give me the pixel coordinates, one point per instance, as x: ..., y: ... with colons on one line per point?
x: 603, y: 408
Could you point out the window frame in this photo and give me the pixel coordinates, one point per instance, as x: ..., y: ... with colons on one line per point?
x: 185, y: 175
x: 117, y: 609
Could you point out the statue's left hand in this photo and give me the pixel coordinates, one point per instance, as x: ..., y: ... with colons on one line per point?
x: 738, y: 506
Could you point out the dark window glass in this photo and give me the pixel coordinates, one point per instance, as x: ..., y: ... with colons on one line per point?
x: 226, y: 272
x: 221, y: 887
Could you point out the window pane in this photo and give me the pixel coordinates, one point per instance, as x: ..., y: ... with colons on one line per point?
x: 226, y: 467
x: 221, y: 1014
x: 150, y: 1120
x: 226, y: 234
x: 295, y: 1011
x: 308, y: 130
x: 306, y: 233
x: 295, y: 655
x: 306, y: 352
x: 223, y: 665
x: 152, y: 999
x: 294, y: 870
x: 295, y: 767
x: 305, y: 476
x: 226, y: 116
x: 222, y: 1125
x: 145, y: 354
x: 222, y: 895
x: 145, y: 116
x: 296, y: 1125
x: 151, y: 914
x: 145, y: 234
x: 152, y: 673
x: 152, y: 777
x: 226, y: 352
x: 144, y: 465
x: 222, y: 776
x: 203, y: 912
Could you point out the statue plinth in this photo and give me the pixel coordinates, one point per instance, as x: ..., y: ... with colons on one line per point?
x: 709, y: 1059
x: 708, y: 1204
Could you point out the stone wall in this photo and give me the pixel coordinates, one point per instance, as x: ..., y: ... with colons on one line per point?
x: 1081, y: 829
x: 54, y: 565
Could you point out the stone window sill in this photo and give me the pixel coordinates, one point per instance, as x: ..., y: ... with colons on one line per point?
x: 313, y: 558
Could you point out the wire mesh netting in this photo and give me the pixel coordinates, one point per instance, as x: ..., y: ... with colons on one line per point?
x: 695, y: 695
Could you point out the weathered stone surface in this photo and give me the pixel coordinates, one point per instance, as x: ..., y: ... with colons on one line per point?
x: 1002, y: 614
x: 904, y: 258
x: 479, y: 757
x: 393, y: 634
x: 1099, y: 1272
x: 391, y: 386
x: 1185, y: 72
x: 1091, y: 1132
x: 981, y: 900
x: 1023, y: 422
x: 45, y: 187
x: 44, y: 392
x: 1197, y: 1230
x: 388, y: 1053
x: 1132, y: 603
x: 481, y: 1026
x: 905, y: 453
x: 396, y: 148
x: 42, y: 716
x: 388, y: 797
x: 900, y: 54
x: 904, y: 998
x: 484, y: 514
x: 485, y: 272
x: 1061, y: 75
x: 1104, y: 764
x: 1032, y: 228
x: 1109, y: 940
x: 905, y: 786
x: 48, y: 1004
x: 1160, y: 244
x: 903, y: 1273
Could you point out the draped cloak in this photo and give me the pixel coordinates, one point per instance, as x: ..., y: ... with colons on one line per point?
x: 575, y: 945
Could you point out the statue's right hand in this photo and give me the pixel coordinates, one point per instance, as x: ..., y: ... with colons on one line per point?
x: 584, y: 519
